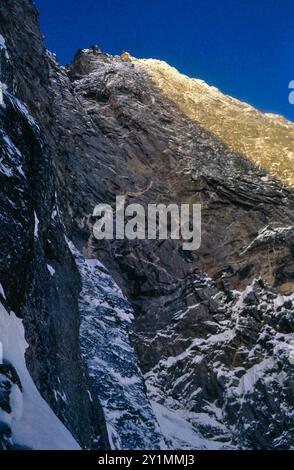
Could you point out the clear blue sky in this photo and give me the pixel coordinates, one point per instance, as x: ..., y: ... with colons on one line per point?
x: 244, y: 47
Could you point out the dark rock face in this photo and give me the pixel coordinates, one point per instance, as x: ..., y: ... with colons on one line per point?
x: 139, y: 145
x: 228, y: 363
x: 215, y: 360
x: 31, y: 239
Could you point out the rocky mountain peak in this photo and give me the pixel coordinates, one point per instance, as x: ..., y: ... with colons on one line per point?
x: 266, y: 139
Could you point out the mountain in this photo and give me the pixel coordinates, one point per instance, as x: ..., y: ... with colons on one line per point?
x: 139, y: 344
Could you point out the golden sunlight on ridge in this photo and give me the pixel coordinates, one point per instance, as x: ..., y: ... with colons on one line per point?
x: 266, y: 139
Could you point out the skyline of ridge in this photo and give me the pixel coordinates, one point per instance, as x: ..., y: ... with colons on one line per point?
x: 243, y: 49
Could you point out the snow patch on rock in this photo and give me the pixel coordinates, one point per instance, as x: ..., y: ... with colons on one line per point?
x: 36, y: 228
x: 3, y: 46
x: 2, y: 292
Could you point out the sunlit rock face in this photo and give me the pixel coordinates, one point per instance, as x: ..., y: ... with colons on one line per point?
x: 266, y: 139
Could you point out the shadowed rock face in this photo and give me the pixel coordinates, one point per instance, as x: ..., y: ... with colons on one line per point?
x: 139, y: 144
x: 208, y: 352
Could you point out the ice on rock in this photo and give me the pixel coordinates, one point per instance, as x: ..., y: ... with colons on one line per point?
x: 2, y: 292
x: 22, y: 108
x: 51, y: 269
x: 5, y: 170
x: 269, y: 234
x: 246, y: 362
x: 36, y: 229
x: 3, y: 46
x: 3, y: 88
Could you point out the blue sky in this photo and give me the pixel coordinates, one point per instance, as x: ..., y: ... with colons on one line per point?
x: 244, y: 47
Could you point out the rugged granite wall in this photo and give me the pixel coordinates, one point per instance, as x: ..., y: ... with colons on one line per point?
x: 32, y: 240
x: 139, y: 144
x: 215, y: 359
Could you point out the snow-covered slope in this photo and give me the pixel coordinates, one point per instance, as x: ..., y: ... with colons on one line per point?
x: 231, y: 386
x: 29, y: 421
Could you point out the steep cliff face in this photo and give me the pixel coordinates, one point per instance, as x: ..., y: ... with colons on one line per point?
x: 33, y: 244
x: 141, y: 145
x: 211, y: 328
x: 43, y: 282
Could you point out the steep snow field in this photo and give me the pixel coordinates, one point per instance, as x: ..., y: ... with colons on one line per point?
x: 32, y: 422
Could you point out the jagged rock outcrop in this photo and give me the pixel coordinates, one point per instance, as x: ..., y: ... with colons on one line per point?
x: 215, y: 359
x: 224, y: 371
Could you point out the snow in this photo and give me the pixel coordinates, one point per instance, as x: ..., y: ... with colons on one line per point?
x: 268, y: 234
x: 22, y: 108
x: 181, y: 314
x: 175, y: 389
x: 244, y: 294
x: 282, y: 299
x: 3, y: 46
x: 2, y: 42
x: 255, y: 373
x: 54, y: 214
x: 106, y: 322
x: 33, y: 423
x: 2, y: 292
x: 20, y: 170
x: 5, y: 170
x: 50, y: 269
x: 221, y: 338
x: 291, y: 353
x: 179, y: 433
x: 11, y: 158
x: 12, y: 149
x: 172, y: 360
x: 3, y: 88
x: 36, y: 229
x: 60, y: 395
